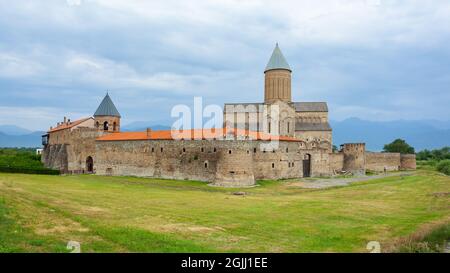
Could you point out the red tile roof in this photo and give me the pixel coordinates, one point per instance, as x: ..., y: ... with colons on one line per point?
x: 192, y: 134
x: 68, y: 125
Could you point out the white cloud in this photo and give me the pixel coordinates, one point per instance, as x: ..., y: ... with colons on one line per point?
x: 15, y: 66
x: 148, y: 51
x: 112, y: 74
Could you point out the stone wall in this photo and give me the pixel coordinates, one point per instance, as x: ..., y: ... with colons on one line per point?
x: 81, y: 145
x: 354, y: 158
x: 68, y: 149
x: 378, y: 161
x: 336, y: 162
x: 318, y: 138
x: 281, y: 163
x: 408, y: 162
x: 222, y: 162
x: 55, y: 157
x: 312, y: 117
x: 225, y: 163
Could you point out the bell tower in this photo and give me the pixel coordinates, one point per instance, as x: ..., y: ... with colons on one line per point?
x: 277, y: 78
x: 107, y: 118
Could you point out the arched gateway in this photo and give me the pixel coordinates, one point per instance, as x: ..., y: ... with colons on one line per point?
x: 307, y: 165
x: 89, y: 164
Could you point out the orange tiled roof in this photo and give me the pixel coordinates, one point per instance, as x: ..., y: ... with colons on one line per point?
x: 68, y: 125
x: 191, y: 134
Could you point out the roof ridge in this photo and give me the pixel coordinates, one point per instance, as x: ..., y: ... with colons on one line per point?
x: 277, y: 60
x: 69, y: 125
x: 107, y: 108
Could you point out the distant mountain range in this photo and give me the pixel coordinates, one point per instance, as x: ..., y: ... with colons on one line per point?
x: 426, y: 134
x: 32, y: 140
x: 14, y: 130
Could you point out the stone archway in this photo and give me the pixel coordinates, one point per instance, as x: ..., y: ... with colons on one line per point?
x: 307, y: 165
x: 89, y: 164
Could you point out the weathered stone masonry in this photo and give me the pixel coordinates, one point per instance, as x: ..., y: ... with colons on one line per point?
x: 96, y: 144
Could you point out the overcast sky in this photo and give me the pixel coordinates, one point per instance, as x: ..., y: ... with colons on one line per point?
x: 372, y: 59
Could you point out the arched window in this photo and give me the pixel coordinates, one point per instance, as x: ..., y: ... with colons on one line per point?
x: 206, y: 164
x: 97, y: 124
x: 105, y: 126
x: 114, y: 126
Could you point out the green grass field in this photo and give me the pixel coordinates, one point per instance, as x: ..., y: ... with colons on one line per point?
x: 40, y: 213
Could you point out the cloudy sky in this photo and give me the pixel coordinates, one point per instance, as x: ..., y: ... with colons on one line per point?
x: 373, y: 59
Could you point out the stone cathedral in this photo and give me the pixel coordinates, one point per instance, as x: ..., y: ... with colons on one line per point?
x: 236, y: 155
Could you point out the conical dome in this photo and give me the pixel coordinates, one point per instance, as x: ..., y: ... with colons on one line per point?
x: 107, y: 108
x: 277, y: 61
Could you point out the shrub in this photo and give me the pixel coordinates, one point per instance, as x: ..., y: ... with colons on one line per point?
x: 5, y: 169
x: 438, y: 154
x: 22, y: 160
x: 444, y: 167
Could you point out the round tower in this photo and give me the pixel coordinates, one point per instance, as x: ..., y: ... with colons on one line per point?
x: 107, y: 118
x: 277, y: 78
x: 234, y: 167
x: 354, y: 158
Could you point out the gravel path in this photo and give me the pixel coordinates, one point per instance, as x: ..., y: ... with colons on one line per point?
x: 333, y: 182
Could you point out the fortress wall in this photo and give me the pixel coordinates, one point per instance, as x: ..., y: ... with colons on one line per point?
x: 336, y: 162
x: 234, y: 166
x: 319, y: 162
x: 378, y: 161
x: 157, y: 158
x: 68, y: 149
x: 282, y: 163
x: 59, y: 137
x: 81, y: 145
x: 226, y: 163
x: 55, y: 157
x: 408, y: 162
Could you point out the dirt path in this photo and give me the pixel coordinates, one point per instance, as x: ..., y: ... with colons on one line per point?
x: 334, y: 182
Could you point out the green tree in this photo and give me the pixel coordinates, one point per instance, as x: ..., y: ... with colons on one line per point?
x: 335, y: 148
x: 398, y: 146
x: 438, y: 154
